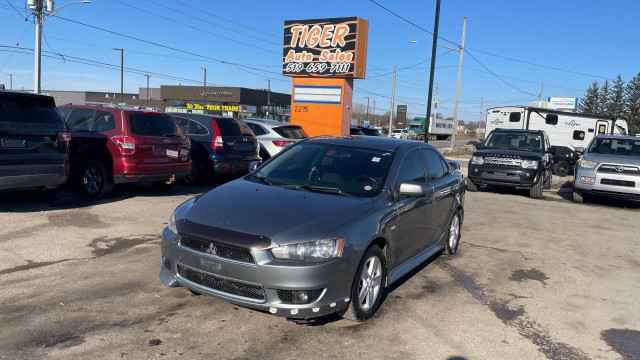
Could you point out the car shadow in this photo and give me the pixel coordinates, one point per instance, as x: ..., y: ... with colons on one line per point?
x: 566, y: 193
x: 70, y: 197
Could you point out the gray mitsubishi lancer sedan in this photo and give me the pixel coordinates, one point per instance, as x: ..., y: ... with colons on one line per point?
x: 324, y: 226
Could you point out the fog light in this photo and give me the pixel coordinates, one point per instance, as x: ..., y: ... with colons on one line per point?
x: 588, y: 179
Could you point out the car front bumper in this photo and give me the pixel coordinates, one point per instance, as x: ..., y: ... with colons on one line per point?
x: 581, y: 183
x: 515, y: 177
x: 267, y: 273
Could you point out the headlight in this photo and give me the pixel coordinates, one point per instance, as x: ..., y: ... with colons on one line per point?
x: 530, y: 164
x: 587, y: 164
x: 172, y: 223
x: 477, y: 160
x: 311, y: 251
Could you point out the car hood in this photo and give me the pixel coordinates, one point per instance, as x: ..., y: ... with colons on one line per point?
x: 508, y: 153
x: 285, y: 216
x: 613, y: 159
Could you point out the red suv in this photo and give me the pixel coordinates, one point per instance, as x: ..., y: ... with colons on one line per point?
x: 112, y: 145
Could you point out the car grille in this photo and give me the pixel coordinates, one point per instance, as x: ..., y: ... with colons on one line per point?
x: 502, y: 161
x: 619, y: 169
x: 618, y: 182
x: 220, y: 284
x: 226, y: 252
x: 290, y: 296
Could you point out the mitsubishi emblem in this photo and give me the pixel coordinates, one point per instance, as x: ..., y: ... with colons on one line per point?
x: 212, y: 250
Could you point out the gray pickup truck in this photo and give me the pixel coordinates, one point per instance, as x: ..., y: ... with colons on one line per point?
x: 610, y: 166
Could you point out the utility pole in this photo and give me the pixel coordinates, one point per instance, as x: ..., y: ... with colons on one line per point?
x: 480, y: 120
x: 541, y: 89
x: 434, y: 49
x: 204, y: 91
x: 42, y: 10
x: 367, y: 116
x: 268, y: 92
x: 393, y: 96
x: 455, y: 107
x: 121, y: 74
x: 10, y: 81
x: 374, y: 111
x: 147, y: 89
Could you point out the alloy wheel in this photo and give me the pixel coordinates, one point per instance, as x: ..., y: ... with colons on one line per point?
x: 454, y: 232
x: 92, y: 179
x: 370, y: 282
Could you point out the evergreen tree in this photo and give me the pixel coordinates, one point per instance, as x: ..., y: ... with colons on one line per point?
x: 616, y: 103
x: 589, y: 103
x: 632, y: 104
x: 604, y: 98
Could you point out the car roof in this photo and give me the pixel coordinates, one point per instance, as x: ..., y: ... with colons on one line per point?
x: 522, y: 131
x: 23, y: 93
x: 372, y: 142
x: 106, y: 106
x: 626, y: 137
x: 269, y: 122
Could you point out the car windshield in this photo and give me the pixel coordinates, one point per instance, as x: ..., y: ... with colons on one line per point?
x: 335, y: 169
x: 395, y: 131
x: 615, y: 146
x: 153, y: 125
x: 514, y: 141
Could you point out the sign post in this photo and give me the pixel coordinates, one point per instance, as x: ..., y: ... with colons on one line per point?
x: 323, y: 56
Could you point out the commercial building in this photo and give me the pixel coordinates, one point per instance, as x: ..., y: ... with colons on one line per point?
x: 226, y: 101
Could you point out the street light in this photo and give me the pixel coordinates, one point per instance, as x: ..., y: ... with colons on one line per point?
x: 41, y: 15
x: 367, y: 117
x: 121, y: 74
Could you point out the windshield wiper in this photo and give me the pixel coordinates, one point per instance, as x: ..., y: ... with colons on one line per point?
x: 262, y: 178
x: 321, y: 189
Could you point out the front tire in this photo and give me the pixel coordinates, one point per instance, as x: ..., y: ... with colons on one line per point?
x: 368, y: 286
x: 536, y: 191
x: 578, y: 197
x: 454, y: 234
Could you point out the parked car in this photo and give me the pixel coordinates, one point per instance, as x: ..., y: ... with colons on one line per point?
x: 355, y: 130
x: 329, y: 223
x: 400, y: 134
x: 219, y: 145
x: 610, y: 167
x: 370, y: 131
x: 274, y: 135
x: 520, y: 159
x: 33, y: 143
x: 112, y: 145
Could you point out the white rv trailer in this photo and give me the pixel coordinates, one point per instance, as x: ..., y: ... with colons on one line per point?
x: 566, y: 131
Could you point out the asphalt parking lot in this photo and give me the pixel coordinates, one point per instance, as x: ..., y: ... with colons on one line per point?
x: 533, y: 279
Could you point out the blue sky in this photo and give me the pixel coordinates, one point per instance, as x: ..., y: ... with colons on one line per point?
x: 593, y: 37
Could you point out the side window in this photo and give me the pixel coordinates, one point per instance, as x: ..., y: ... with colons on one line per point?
x: 445, y: 166
x: 578, y: 135
x: 184, y: 124
x: 105, y: 121
x: 411, y: 168
x: 433, y: 164
x: 551, y: 119
x: 196, y: 129
x: 64, y: 112
x: 514, y: 117
x: 80, y: 120
x: 257, y: 129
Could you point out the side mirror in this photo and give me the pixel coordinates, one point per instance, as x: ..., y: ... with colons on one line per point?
x: 412, y: 189
x: 455, y: 165
x: 551, y: 150
x: 253, y: 165
x: 477, y: 145
x: 580, y: 150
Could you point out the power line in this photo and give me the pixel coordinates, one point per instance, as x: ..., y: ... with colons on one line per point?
x: 196, y: 28
x: 498, y: 76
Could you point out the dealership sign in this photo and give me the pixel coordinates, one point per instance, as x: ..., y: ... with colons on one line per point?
x: 335, y: 47
x: 564, y: 103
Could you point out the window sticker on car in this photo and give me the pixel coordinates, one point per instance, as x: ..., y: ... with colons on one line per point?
x: 375, y: 159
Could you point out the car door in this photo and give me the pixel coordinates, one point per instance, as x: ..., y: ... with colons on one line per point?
x: 439, y: 176
x: 414, y: 214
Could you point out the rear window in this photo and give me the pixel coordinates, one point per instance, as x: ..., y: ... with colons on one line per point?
x: 291, y: 132
x: 28, y: 109
x: 153, y: 125
x: 232, y: 127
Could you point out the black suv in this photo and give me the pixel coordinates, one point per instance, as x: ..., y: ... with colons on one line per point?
x: 219, y: 145
x: 520, y: 159
x: 33, y: 143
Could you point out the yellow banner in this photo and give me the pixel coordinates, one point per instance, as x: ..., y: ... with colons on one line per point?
x: 234, y: 108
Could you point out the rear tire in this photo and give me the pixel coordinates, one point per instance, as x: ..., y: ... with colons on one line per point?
x: 547, y: 182
x: 471, y: 186
x: 561, y: 168
x: 94, y: 180
x: 536, y: 191
x: 578, y: 197
x: 369, y: 282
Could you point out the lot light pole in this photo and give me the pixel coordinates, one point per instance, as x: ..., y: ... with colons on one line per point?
x: 121, y: 74
x: 374, y: 111
x: 367, y: 116
x: 393, y: 96
x: 148, y: 89
x: 10, y: 81
x: 42, y: 10
x: 204, y: 92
